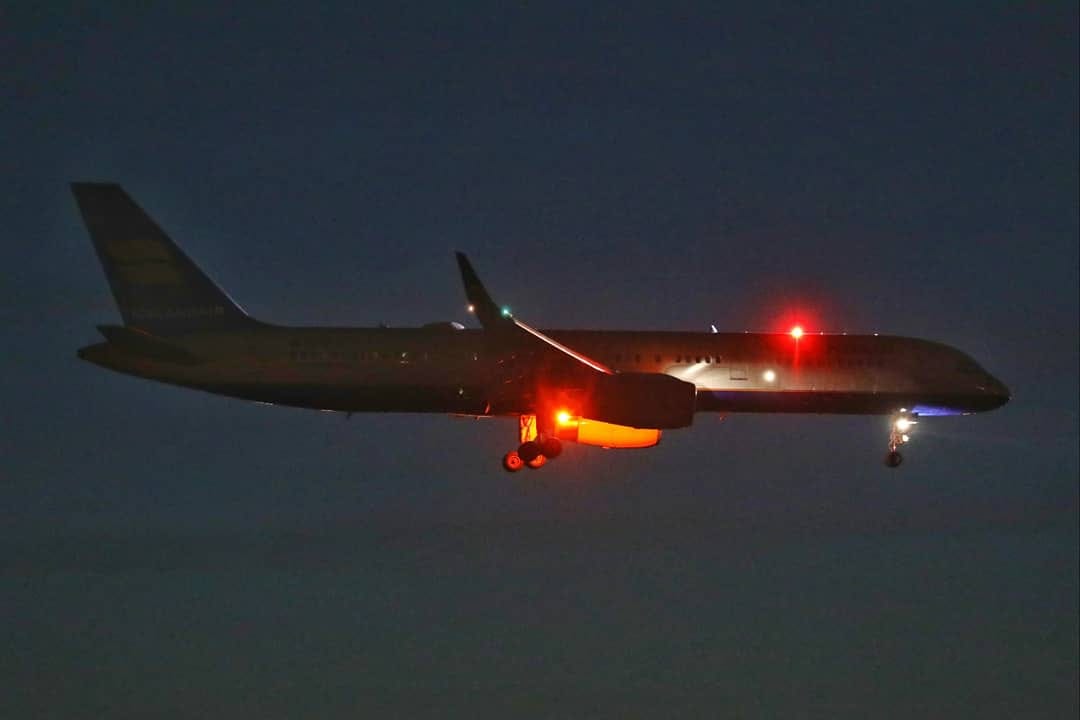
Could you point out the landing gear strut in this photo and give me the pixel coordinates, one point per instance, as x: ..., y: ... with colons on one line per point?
x: 899, y: 433
x: 535, y: 449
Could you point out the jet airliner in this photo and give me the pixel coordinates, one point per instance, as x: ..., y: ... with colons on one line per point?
x: 613, y: 389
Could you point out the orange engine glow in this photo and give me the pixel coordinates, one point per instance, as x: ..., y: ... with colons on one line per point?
x: 593, y: 432
x: 797, y: 332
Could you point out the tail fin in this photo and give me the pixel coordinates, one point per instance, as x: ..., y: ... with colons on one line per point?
x: 156, y: 286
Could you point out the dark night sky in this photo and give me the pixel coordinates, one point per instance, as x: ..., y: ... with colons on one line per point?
x: 909, y: 169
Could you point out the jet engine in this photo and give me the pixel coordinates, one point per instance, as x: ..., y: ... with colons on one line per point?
x: 602, y: 434
x: 640, y: 400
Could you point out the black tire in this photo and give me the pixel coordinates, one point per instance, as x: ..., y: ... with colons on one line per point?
x: 537, y: 462
x: 551, y: 447
x: 512, y: 462
x: 529, y: 450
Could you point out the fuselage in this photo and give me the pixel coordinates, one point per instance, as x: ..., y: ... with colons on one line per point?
x: 443, y: 369
x: 603, y: 388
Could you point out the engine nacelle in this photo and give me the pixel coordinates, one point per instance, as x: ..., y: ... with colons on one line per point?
x: 595, y: 432
x: 641, y: 400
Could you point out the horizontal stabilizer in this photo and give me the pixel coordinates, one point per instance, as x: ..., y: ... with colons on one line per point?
x: 139, y: 342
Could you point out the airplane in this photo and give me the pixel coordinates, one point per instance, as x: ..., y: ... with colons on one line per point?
x: 612, y: 389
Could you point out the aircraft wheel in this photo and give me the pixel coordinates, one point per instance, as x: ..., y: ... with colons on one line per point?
x: 537, y: 462
x: 551, y: 447
x: 512, y: 462
x: 893, y: 459
x: 529, y: 451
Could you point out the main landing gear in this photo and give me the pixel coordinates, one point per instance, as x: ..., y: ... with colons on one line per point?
x: 899, y: 433
x: 535, y: 449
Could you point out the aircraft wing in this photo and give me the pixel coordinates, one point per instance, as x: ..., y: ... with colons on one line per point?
x: 502, y: 322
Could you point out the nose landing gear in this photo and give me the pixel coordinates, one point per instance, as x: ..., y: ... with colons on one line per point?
x: 899, y: 434
x: 535, y: 449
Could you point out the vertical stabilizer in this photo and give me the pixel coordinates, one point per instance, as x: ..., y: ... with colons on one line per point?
x: 156, y: 286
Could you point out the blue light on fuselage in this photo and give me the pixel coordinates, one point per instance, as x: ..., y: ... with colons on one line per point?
x: 935, y: 411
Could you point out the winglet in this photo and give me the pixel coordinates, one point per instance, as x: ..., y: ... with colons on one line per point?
x: 490, y: 315
x: 494, y: 318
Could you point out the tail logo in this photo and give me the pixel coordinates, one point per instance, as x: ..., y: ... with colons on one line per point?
x: 144, y: 261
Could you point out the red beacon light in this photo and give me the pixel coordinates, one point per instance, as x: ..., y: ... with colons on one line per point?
x: 797, y: 332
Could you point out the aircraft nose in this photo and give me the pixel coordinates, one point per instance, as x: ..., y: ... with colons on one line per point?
x: 999, y: 390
